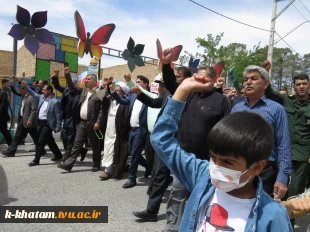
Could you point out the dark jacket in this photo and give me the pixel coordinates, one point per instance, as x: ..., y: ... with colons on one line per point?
x: 4, y: 107
x: 130, y: 100
x: 97, y: 110
x: 65, y: 92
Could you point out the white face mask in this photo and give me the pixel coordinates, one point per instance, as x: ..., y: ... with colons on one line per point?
x: 226, y: 179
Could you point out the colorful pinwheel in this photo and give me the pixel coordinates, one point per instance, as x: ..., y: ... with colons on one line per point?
x: 193, y: 65
x: 219, y: 68
x: 132, y: 54
x: 176, y: 53
x: 30, y: 29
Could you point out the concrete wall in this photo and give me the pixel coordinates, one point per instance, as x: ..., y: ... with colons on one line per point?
x: 6, y: 59
x: 26, y: 63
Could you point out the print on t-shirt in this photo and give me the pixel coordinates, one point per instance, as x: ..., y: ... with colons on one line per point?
x: 216, y: 217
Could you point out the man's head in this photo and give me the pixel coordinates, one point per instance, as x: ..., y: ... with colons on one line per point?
x: 5, y: 83
x: 256, y: 80
x: 283, y: 92
x: 241, y: 141
x: 47, y: 90
x: 143, y: 81
x: 122, y: 89
x: 91, y: 81
x: 22, y: 90
x: 226, y: 90
x: 242, y: 92
x: 35, y: 83
x: 161, y: 86
x: 181, y: 73
x: 301, y: 86
x: 111, y: 79
x: 56, y: 72
x: 42, y: 83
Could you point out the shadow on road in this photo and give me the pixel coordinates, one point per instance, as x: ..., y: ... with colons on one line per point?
x: 4, y: 189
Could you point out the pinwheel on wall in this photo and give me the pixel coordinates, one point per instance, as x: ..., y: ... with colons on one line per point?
x: 176, y: 53
x: 132, y: 54
x: 193, y: 65
x: 91, y: 44
x: 30, y: 29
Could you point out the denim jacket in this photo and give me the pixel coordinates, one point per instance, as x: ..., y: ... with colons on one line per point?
x: 266, y: 214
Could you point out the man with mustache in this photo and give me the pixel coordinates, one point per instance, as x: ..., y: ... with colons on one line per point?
x: 279, y: 166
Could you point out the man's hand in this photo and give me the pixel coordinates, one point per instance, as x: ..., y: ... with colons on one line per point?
x: 23, y: 84
x: 127, y: 77
x: 67, y: 71
x: 280, y: 189
x: 29, y: 124
x: 193, y: 84
x: 136, y: 90
x: 11, y: 83
x: 96, y: 126
x: 167, y: 56
x: 266, y: 65
x: 111, y: 88
x: 56, y: 130
x: 298, y: 204
x: 220, y: 82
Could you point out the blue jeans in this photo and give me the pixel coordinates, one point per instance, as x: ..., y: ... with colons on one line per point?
x: 136, y: 143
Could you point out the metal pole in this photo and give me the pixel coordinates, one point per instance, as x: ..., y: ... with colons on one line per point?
x: 14, y: 73
x: 271, y: 37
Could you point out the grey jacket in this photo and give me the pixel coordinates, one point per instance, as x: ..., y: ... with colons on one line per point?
x: 29, y: 111
x: 53, y: 109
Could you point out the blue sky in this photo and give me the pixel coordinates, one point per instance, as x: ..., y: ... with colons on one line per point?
x: 174, y: 22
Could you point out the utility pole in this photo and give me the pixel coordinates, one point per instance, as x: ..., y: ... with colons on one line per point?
x: 272, y: 29
x: 271, y: 37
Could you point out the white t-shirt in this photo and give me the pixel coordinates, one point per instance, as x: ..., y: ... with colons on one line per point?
x: 84, y: 107
x: 224, y: 213
x: 134, y: 119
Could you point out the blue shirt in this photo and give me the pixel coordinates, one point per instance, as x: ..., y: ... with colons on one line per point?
x: 276, y: 115
x: 193, y: 173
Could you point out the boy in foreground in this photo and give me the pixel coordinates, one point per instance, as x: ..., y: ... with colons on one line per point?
x: 226, y: 193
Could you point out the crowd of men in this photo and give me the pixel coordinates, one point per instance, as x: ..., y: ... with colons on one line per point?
x: 118, y: 119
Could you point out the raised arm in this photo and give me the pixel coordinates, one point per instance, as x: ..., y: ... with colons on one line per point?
x: 55, y: 82
x: 186, y: 167
x: 149, y: 101
x: 120, y: 100
x: 30, y: 91
x: 273, y: 95
x: 70, y: 84
x: 14, y: 91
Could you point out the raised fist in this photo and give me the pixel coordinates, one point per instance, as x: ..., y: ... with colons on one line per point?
x: 266, y: 65
x: 136, y: 90
x: 167, y: 56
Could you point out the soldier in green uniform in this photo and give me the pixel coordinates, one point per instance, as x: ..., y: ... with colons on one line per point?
x: 298, y: 111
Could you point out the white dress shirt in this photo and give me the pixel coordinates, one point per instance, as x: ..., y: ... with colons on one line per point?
x: 84, y: 107
x: 43, y: 109
x: 136, y: 109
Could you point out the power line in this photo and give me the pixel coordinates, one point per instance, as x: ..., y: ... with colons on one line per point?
x: 228, y: 17
x: 304, y: 6
x: 242, y: 23
x: 300, y: 12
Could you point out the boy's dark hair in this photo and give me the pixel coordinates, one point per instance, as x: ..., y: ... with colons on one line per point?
x: 49, y: 87
x: 300, y: 76
x: 186, y: 72
x: 4, y: 81
x: 242, y: 134
x: 211, y: 69
x: 144, y: 79
x: 36, y: 82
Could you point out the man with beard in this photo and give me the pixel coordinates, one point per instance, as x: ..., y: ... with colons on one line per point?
x: 276, y: 173
x: 298, y: 111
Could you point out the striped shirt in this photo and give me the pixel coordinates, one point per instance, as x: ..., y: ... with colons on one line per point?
x: 276, y: 115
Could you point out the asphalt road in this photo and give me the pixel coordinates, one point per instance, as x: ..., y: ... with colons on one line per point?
x: 46, y: 185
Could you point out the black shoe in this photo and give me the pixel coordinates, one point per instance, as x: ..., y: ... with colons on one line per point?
x: 65, y: 167
x: 56, y: 158
x: 33, y: 163
x: 83, y: 154
x: 147, y: 173
x: 146, y: 216
x: 130, y: 184
x: 95, y: 169
x: 8, y: 154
